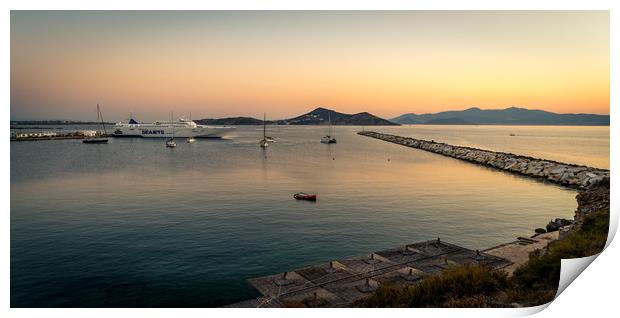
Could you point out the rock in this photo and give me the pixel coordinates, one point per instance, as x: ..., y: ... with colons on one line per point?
x: 556, y: 224
x: 558, y: 170
x: 563, y: 222
x: 509, y: 166
x: 533, y: 169
x: 540, y: 230
x: 551, y: 227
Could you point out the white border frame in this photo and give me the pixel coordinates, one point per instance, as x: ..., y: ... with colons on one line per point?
x: 593, y: 293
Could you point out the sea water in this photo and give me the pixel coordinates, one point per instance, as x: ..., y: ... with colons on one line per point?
x: 132, y: 223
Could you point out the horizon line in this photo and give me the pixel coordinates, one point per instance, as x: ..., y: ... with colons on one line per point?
x: 331, y: 109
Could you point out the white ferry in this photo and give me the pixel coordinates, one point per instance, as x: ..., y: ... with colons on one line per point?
x: 164, y: 129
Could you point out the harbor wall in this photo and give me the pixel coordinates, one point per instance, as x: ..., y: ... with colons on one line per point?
x: 570, y: 175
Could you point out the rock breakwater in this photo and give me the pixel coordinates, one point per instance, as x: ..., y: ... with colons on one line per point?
x: 569, y: 175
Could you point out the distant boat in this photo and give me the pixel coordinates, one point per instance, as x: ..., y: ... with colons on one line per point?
x: 328, y: 139
x: 191, y: 138
x: 170, y: 143
x: 264, y: 143
x: 163, y: 129
x: 97, y: 139
x: 304, y: 196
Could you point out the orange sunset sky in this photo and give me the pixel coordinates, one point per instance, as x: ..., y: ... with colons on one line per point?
x: 223, y: 63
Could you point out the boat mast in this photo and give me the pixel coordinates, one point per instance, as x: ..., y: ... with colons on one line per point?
x: 172, y: 122
x: 264, y: 126
x: 100, y: 117
x: 329, y: 121
x: 191, y: 135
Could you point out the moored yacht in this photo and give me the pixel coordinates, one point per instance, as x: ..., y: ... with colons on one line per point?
x: 163, y: 129
x: 264, y: 143
x: 328, y: 139
x: 98, y: 138
x: 170, y: 143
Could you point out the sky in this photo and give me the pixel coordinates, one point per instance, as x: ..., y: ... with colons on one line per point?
x: 243, y: 63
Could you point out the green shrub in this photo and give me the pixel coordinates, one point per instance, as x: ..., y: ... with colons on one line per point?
x: 473, y: 282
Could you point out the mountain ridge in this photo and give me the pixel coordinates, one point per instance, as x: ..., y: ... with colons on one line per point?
x: 318, y: 116
x: 508, y: 116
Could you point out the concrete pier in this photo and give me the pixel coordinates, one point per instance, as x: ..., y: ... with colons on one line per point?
x: 570, y: 175
x: 338, y: 283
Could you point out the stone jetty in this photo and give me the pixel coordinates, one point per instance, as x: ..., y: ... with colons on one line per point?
x: 570, y: 175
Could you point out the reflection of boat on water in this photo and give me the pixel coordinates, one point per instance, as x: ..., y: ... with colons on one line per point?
x: 163, y: 129
x: 97, y: 139
x: 328, y: 139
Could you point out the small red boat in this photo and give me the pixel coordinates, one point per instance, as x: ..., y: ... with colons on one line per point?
x: 304, y: 196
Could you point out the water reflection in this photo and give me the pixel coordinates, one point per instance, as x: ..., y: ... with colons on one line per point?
x: 187, y: 226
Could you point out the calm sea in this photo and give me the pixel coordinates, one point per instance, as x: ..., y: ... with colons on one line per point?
x: 133, y: 223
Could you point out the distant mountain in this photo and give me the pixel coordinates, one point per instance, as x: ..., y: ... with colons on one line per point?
x: 322, y: 116
x: 231, y: 121
x: 508, y: 116
x: 447, y: 121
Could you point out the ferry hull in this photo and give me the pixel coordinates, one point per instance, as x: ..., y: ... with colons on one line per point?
x: 166, y: 132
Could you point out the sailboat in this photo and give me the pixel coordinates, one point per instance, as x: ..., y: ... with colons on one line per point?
x: 264, y: 142
x: 170, y: 143
x: 97, y: 139
x: 191, y: 138
x: 328, y: 139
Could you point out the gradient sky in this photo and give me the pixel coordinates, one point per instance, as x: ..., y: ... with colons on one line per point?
x: 223, y: 63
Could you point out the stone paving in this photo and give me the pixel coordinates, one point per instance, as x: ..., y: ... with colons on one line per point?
x: 518, y: 252
x: 338, y: 283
